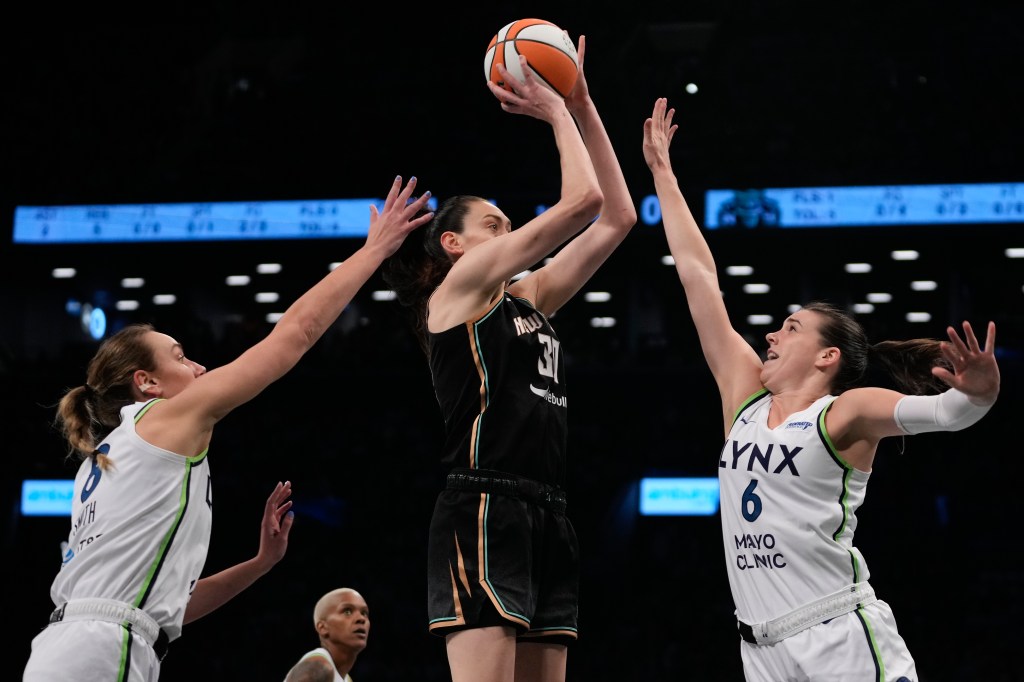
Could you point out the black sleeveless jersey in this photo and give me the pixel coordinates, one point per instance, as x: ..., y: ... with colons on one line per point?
x: 500, y: 383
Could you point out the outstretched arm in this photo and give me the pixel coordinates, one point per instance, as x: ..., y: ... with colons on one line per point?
x: 216, y: 590
x: 211, y: 396
x: 870, y: 414
x: 734, y: 364
x: 577, y: 262
x: 861, y: 417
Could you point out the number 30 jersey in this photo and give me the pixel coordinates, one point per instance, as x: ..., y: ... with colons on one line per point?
x: 500, y: 383
x: 788, y: 505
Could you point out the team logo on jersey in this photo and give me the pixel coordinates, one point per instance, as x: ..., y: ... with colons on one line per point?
x: 750, y: 457
x: 527, y: 325
x: 803, y: 426
x: 546, y: 394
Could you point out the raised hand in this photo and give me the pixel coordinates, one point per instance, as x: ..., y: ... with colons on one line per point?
x: 658, y: 133
x: 529, y: 96
x: 389, y: 227
x: 276, y: 525
x: 975, y: 371
x: 580, y: 95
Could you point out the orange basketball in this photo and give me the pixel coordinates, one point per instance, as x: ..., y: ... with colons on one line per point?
x: 549, y: 53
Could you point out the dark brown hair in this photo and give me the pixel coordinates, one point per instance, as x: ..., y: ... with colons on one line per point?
x: 420, y: 264
x: 909, y: 363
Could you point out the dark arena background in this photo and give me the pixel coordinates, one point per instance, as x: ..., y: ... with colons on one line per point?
x: 259, y: 102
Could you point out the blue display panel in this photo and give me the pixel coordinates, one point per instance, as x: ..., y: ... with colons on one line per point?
x: 950, y: 204
x: 193, y: 221
x: 46, y: 497
x: 864, y: 206
x: 678, y: 496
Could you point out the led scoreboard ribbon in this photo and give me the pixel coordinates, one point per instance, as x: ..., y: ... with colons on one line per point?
x: 959, y: 204
x: 865, y: 206
x: 193, y: 221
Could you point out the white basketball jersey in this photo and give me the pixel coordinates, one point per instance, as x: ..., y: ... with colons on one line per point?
x: 140, y: 530
x: 320, y: 651
x: 788, y: 511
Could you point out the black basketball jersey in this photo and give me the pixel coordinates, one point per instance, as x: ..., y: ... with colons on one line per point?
x: 500, y: 383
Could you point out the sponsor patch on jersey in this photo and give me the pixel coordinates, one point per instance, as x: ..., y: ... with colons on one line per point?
x: 803, y: 426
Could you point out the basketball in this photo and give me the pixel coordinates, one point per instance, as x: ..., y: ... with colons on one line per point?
x: 549, y: 53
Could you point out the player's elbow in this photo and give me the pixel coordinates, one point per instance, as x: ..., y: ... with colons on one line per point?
x: 586, y: 204
x: 626, y: 217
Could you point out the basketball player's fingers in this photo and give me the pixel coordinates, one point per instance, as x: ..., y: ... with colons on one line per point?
x: 396, y: 186
x: 406, y: 191
x: 952, y: 355
x: 282, y: 510
x: 581, y: 50
x: 511, y: 80
x: 271, y: 500
x: 956, y: 341
x: 990, y: 338
x: 972, y: 340
x: 417, y: 205
x: 419, y: 220
x: 500, y: 93
x: 284, y: 491
x: 524, y: 66
x: 286, y: 524
x: 281, y: 493
x: 944, y: 375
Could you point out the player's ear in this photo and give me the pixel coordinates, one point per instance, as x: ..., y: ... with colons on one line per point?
x: 828, y: 356
x: 451, y: 242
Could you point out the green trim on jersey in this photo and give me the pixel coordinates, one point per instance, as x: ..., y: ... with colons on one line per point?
x: 747, y: 403
x: 876, y: 653
x: 154, y: 568
x: 847, y: 472
x: 126, y: 648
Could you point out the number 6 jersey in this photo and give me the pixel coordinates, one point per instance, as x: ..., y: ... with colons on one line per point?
x: 788, y: 505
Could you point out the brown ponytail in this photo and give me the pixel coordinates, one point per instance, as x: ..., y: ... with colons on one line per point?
x: 421, y: 264
x: 910, y: 363
x: 86, y: 414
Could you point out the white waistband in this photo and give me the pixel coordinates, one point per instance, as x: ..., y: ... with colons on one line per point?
x: 839, y: 603
x: 108, y: 610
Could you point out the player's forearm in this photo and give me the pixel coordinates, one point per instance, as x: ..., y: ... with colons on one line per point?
x: 316, y: 310
x: 618, y: 205
x: 580, y: 187
x: 685, y: 241
x: 216, y: 590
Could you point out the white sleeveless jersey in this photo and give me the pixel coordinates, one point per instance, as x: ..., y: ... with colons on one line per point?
x: 788, y: 511
x: 140, y: 530
x: 320, y: 651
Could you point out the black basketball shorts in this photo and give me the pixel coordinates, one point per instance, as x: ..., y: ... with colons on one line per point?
x: 502, y: 558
